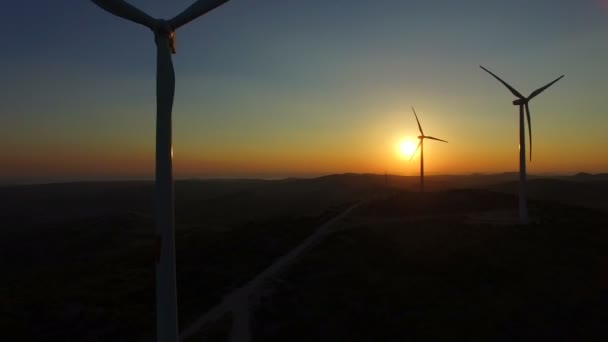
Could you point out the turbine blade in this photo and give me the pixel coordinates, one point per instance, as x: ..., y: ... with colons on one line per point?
x: 165, y: 79
x: 127, y: 11
x: 418, y: 121
x: 194, y: 11
x: 433, y: 138
x: 540, y: 90
x: 529, y: 128
x: 417, y: 148
x: 513, y: 91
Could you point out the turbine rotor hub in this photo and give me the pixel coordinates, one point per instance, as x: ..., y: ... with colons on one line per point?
x: 520, y: 102
x: 164, y: 29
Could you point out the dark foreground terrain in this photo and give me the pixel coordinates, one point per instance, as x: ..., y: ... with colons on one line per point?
x: 78, y: 261
x: 392, y: 276
x: 448, y: 265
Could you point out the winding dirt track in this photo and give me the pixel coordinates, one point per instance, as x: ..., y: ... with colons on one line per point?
x: 238, y: 302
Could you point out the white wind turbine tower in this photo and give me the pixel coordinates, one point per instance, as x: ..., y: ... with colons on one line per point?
x: 522, y: 102
x: 421, y: 147
x: 164, y: 36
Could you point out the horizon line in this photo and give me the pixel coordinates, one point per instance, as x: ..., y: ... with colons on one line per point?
x: 69, y: 180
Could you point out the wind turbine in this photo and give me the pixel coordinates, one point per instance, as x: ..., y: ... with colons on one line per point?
x: 522, y: 102
x: 164, y: 36
x: 421, y: 147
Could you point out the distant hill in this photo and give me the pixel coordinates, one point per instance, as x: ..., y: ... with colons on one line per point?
x: 589, y: 193
x: 224, y: 200
x: 245, y: 199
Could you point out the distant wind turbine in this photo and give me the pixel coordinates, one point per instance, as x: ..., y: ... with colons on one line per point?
x: 522, y: 102
x: 164, y: 36
x: 421, y: 147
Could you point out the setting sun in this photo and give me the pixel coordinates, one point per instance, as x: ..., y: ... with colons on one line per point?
x: 406, y: 148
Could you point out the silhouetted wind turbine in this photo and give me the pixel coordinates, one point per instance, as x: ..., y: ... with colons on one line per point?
x: 164, y: 36
x: 522, y: 102
x: 421, y: 147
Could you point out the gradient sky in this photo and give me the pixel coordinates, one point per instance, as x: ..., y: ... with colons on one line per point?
x: 272, y: 88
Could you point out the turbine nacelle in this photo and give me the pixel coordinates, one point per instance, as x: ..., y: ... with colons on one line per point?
x: 520, y: 102
x: 163, y: 28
